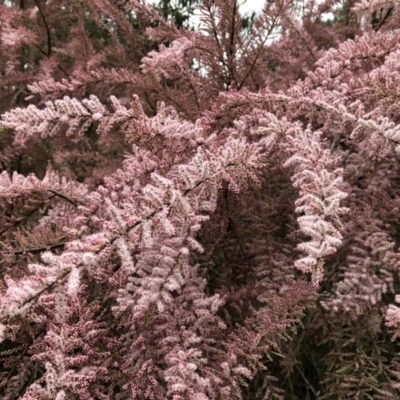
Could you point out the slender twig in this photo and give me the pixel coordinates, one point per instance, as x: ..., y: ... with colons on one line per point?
x: 259, y: 52
x: 64, y: 197
x: 16, y: 223
x: 307, y: 382
x: 35, y: 250
x: 46, y: 27
x: 59, y: 280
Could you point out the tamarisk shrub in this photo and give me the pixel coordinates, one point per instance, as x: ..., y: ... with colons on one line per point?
x: 207, y: 214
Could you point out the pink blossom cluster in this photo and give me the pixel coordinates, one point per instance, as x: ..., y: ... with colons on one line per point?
x: 207, y: 214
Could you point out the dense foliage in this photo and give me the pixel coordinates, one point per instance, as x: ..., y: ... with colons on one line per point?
x: 199, y: 214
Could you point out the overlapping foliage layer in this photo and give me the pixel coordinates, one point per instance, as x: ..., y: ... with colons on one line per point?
x: 199, y: 214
